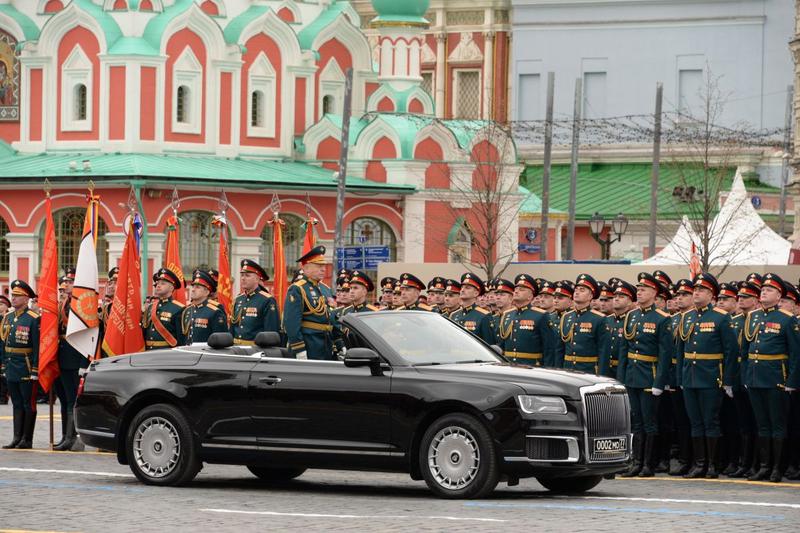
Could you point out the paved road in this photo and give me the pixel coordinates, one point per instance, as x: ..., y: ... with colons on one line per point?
x: 90, y: 491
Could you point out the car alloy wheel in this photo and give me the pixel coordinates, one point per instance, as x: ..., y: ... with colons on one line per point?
x: 454, y: 457
x: 156, y: 447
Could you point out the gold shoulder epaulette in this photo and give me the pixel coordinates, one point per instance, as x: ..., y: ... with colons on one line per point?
x: 504, y: 313
x: 539, y: 309
x: 662, y: 312
x: 482, y: 311
x: 373, y: 308
x: 213, y: 304
x: 402, y: 307
x: 425, y: 307
x: 737, y: 315
x: 34, y: 314
x: 785, y: 312
x: 598, y: 313
x: 299, y: 282
x: 265, y: 293
x: 720, y: 311
x: 176, y: 302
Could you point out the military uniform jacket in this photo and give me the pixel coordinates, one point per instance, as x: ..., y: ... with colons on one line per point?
x: 416, y: 306
x: 19, y: 345
x: 199, y: 321
x: 554, y: 320
x: 737, y: 323
x: 252, y: 314
x: 476, y: 320
x: 614, y: 325
x: 494, y: 325
x: 771, y: 349
x: 359, y: 308
x: 646, y: 349
x: 525, y: 337
x: 68, y: 357
x: 585, y: 337
x: 306, y: 314
x: 161, y: 322
x: 707, y: 349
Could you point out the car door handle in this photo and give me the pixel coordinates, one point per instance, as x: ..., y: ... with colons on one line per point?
x: 270, y: 380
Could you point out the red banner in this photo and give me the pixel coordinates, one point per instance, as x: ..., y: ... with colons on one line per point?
x: 224, y: 285
x: 173, y: 257
x: 123, y: 330
x: 48, y: 302
x: 279, y: 261
x: 310, y: 239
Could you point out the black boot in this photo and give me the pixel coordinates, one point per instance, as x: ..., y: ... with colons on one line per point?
x: 684, y: 455
x: 63, y: 431
x: 638, y: 449
x: 648, y: 459
x: 700, y: 463
x: 69, y: 437
x: 777, y: 468
x: 732, y: 445
x: 27, y: 432
x: 663, y: 452
x: 711, y: 443
x: 745, y: 458
x: 765, y: 468
x: 19, y: 421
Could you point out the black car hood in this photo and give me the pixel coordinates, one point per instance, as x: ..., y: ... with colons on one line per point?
x: 532, y: 380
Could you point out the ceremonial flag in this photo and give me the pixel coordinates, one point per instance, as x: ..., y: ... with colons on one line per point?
x: 48, y: 303
x: 310, y: 239
x: 224, y: 285
x: 123, y: 331
x: 173, y: 257
x: 694, y: 263
x: 83, y: 327
x: 279, y: 262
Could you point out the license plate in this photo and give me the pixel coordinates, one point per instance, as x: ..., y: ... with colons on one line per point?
x: 613, y: 445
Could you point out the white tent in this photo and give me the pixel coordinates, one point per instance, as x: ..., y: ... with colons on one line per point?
x: 738, y: 236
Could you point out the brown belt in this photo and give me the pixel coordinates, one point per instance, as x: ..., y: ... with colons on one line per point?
x: 642, y: 357
x: 18, y: 351
x: 157, y: 344
x: 315, y: 325
x: 581, y: 359
x: 767, y: 357
x: 243, y: 342
x: 524, y: 355
x: 704, y: 356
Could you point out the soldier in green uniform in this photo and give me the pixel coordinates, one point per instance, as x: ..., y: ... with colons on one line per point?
x: 161, y: 320
x: 605, y: 299
x: 5, y: 305
x: 682, y: 291
x: 562, y: 303
x: 624, y: 297
x: 470, y: 316
x: 307, y: 318
x: 19, y: 362
x: 644, y: 358
x: 202, y: 316
x: 410, y: 287
x: 387, y: 293
x: 452, y: 297
x: 360, y: 287
x: 583, y: 330
x: 436, y: 293
x: 729, y: 442
x: 771, y: 371
x: 70, y: 361
x: 524, y: 333
x: 544, y: 298
x: 706, y: 364
x: 343, y: 298
x: 664, y: 294
x: 254, y: 310
x: 503, y: 301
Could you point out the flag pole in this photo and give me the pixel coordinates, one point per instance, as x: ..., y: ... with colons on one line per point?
x: 47, y: 189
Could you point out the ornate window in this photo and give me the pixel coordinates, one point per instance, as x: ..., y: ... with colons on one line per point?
x: 181, y: 104
x: 199, y: 241
x: 68, y: 224
x: 369, y: 231
x: 467, y: 91
x: 4, y: 255
x: 79, y: 105
x: 293, y: 234
x: 188, y: 93
x: 327, y: 104
x: 76, y: 86
x: 261, y: 81
x: 427, y: 82
x: 331, y: 86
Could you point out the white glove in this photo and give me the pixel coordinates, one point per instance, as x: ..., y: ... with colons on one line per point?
x: 34, y: 378
x: 728, y: 390
x: 301, y: 355
x: 789, y: 389
x: 657, y: 392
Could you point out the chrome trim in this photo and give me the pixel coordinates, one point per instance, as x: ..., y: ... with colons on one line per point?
x: 574, y: 453
x: 608, y: 388
x: 94, y: 433
x: 304, y: 450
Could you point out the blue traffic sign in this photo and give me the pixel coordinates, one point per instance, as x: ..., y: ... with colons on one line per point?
x: 361, y: 257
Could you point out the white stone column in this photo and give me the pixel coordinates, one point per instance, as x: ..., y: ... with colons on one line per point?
x: 441, y: 74
x: 488, y: 73
x: 413, y: 230
x: 23, y: 246
x: 559, y: 230
x: 243, y: 248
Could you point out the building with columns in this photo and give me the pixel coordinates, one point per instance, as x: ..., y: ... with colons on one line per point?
x: 168, y: 104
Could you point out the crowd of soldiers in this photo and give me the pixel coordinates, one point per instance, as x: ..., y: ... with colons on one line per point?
x: 711, y: 369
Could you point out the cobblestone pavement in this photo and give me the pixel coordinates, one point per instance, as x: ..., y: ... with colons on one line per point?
x: 90, y: 491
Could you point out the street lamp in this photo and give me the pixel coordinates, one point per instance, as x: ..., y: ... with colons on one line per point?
x: 618, y: 226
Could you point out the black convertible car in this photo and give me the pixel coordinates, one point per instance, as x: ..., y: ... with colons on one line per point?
x: 415, y: 393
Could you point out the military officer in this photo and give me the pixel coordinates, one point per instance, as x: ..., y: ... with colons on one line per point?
x: 410, y: 287
x: 161, y: 320
x: 213, y: 295
x: 682, y: 291
x: 544, y: 300
x: 729, y: 443
x: 470, y: 316
x: 254, y: 310
x: 202, y: 316
x: 436, y: 293
x: 397, y: 292
x: 664, y: 294
x: 360, y: 287
x: 524, y: 333
x: 582, y: 330
x: 624, y: 297
x: 644, y: 358
x: 771, y: 371
x: 562, y: 302
x: 307, y: 318
x: 387, y: 292
x: 452, y: 297
x: 605, y: 301
x: 706, y: 364
x: 19, y: 362
x: 503, y: 301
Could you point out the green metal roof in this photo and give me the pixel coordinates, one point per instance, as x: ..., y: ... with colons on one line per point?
x: 309, y: 33
x: 154, y: 30
x: 29, y: 28
x: 532, y: 204
x: 236, y: 26
x: 133, y: 46
x: 107, y: 23
x: 200, y: 170
x: 610, y: 188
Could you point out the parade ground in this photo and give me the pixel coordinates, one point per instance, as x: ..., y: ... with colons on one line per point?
x: 89, y: 491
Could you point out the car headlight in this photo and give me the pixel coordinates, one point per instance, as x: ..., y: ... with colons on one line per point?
x: 542, y: 405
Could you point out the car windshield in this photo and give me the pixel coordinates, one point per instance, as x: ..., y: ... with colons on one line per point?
x: 428, y: 339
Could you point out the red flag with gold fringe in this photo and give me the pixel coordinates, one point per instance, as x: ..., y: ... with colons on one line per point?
x: 279, y: 261
x: 224, y: 285
x: 310, y: 240
x: 173, y: 257
x: 48, y: 302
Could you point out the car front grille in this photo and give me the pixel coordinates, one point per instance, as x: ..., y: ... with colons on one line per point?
x: 607, y: 415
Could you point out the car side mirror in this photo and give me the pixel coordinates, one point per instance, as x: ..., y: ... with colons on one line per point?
x: 267, y: 339
x: 498, y: 350
x: 357, y: 357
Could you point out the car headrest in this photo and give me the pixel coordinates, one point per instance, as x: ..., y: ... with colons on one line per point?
x: 268, y: 339
x: 220, y: 340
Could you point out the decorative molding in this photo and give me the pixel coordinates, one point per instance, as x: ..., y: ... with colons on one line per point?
x: 428, y: 55
x: 466, y: 51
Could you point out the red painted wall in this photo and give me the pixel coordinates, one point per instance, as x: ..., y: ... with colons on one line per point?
x: 175, y: 47
x: 210, y: 8
x: 438, y: 221
x: 332, y: 49
x: 147, y: 105
x: 225, y: 107
x: 415, y: 106
x: 88, y: 43
x: 328, y: 151
x: 286, y: 15
x: 299, y: 106
x: 437, y: 175
x: 53, y: 6
x: 116, y: 104
x: 386, y: 105
x: 36, y: 105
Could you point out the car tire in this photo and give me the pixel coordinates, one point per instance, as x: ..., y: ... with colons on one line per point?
x: 570, y: 485
x: 275, y: 475
x: 457, y: 458
x: 161, y: 447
